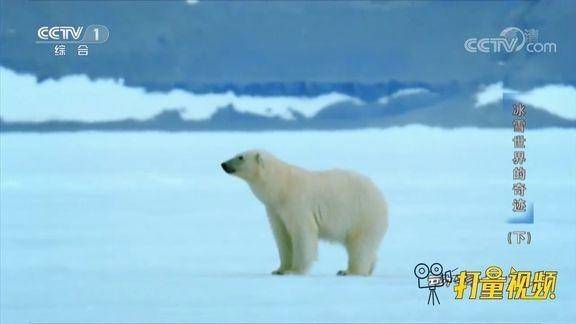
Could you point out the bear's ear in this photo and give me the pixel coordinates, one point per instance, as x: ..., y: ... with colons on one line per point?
x: 259, y: 159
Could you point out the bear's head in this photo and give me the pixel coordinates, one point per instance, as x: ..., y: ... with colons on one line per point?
x: 247, y: 165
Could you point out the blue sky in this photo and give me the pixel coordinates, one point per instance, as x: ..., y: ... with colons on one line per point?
x: 168, y: 45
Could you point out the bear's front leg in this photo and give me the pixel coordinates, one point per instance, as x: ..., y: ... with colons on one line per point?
x: 304, y: 248
x: 283, y: 242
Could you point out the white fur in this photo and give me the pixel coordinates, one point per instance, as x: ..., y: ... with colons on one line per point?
x: 303, y: 206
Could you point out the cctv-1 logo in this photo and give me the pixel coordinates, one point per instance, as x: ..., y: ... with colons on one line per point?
x: 60, y: 33
x: 73, y: 34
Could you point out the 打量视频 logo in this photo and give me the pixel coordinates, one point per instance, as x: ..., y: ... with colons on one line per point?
x: 490, y: 284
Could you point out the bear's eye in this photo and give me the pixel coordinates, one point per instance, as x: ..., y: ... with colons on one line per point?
x: 241, y: 157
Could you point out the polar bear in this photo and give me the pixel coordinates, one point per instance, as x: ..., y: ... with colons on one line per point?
x: 304, y: 206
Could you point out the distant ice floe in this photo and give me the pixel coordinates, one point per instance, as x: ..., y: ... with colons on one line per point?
x: 402, y: 93
x: 558, y: 99
x: 490, y: 94
x: 79, y: 98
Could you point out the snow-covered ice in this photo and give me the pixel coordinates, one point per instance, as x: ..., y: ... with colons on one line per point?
x: 145, y: 227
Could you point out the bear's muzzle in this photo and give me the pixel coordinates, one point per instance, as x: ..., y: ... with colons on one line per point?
x: 228, y: 169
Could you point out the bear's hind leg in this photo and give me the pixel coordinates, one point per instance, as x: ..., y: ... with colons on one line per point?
x: 362, y: 254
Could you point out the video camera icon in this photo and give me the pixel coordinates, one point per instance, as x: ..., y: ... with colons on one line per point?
x: 431, y: 278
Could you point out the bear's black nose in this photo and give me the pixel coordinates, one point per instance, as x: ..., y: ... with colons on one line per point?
x: 227, y: 168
